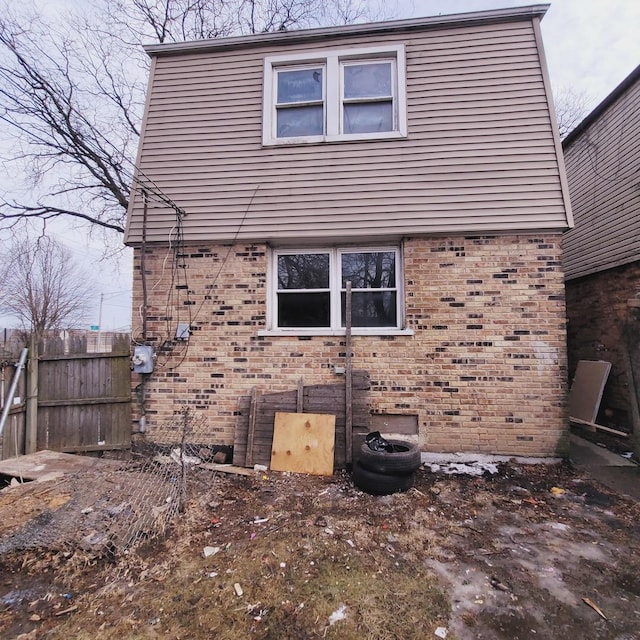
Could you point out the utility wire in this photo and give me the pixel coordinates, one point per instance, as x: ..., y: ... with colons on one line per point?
x: 194, y: 317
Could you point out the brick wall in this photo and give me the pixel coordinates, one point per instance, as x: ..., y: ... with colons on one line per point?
x: 485, y: 370
x: 597, y: 310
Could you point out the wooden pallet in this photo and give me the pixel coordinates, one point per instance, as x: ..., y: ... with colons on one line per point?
x: 256, y: 415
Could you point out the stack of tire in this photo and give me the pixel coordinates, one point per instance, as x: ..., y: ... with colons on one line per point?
x: 389, y: 470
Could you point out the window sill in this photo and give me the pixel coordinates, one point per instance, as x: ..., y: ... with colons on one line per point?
x: 353, y: 137
x: 294, y: 333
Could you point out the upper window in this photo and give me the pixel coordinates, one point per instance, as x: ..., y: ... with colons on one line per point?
x: 309, y: 288
x: 299, y: 102
x: 367, y: 97
x: 356, y: 94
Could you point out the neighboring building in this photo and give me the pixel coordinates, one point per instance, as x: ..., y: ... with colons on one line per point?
x: 418, y: 159
x: 602, y: 253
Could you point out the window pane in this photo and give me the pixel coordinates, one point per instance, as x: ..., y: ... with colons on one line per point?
x: 368, y: 117
x: 372, y: 309
x: 301, y: 85
x: 367, y: 80
x: 300, y: 121
x: 369, y: 270
x: 303, y: 309
x: 303, y: 271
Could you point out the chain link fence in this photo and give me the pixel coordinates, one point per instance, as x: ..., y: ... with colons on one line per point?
x: 109, y: 511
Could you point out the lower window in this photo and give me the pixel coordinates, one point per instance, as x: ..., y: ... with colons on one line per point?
x: 310, y: 288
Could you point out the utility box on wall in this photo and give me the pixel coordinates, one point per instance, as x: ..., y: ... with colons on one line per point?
x: 143, y: 359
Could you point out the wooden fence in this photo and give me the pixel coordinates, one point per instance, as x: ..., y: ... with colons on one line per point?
x: 81, y: 399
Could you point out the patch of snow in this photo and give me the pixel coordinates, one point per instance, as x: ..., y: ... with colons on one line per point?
x: 471, y: 469
x: 467, y: 458
x: 339, y: 614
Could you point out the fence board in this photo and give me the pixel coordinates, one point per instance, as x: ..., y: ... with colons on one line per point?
x: 84, y: 398
x: 13, y: 434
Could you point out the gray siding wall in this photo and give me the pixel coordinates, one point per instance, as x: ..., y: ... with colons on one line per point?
x: 603, y: 169
x: 479, y: 157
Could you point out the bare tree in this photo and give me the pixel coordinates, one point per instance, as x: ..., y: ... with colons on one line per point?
x: 74, y: 123
x: 41, y: 285
x: 72, y: 90
x: 571, y: 107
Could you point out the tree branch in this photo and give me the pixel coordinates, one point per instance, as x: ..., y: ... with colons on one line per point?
x: 72, y: 91
x: 49, y: 212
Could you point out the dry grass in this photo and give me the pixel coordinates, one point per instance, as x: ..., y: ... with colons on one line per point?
x: 293, y: 578
x: 304, y: 548
x: 296, y: 569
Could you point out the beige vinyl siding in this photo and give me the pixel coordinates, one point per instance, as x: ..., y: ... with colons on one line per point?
x: 479, y: 156
x: 603, y: 169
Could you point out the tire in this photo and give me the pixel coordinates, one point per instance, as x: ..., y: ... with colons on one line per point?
x: 379, y: 484
x: 403, y: 460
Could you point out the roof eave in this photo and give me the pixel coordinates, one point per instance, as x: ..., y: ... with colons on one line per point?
x: 370, y: 28
x: 621, y: 89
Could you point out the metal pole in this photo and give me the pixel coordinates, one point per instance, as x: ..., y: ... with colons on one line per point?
x: 12, y: 389
x: 348, y: 417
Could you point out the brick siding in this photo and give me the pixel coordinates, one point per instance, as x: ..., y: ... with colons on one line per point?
x: 598, y: 313
x: 485, y: 369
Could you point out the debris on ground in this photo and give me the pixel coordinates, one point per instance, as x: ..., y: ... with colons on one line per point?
x: 276, y: 555
x: 595, y: 607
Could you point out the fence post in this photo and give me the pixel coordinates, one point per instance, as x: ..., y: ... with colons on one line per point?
x: 31, y: 418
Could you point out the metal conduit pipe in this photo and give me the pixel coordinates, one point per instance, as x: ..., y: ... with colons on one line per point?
x: 12, y: 389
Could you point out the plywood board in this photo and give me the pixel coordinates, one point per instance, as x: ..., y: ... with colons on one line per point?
x: 587, y: 388
x: 303, y: 443
x: 45, y: 464
x: 324, y: 399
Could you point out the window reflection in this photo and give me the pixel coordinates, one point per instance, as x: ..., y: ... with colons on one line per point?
x: 303, y: 271
x: 310, y: 286
x: 367, y: 80
x: 371, y: 309
x: 369, y: 270
x: 368, y: 117
x: 300, y: 85
x: 300, y: 121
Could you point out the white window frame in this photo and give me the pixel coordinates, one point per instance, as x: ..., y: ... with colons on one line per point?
x: 335, y: 291
x: 276, y: 104
x: 333, y: 61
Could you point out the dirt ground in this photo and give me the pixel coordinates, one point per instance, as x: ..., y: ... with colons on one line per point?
x: 530, y: 552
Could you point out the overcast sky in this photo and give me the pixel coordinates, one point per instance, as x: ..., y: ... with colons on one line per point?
x: 591, y: 46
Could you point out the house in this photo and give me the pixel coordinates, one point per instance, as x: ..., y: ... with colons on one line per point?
x: 419, y: 160
x: 602, y: 253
